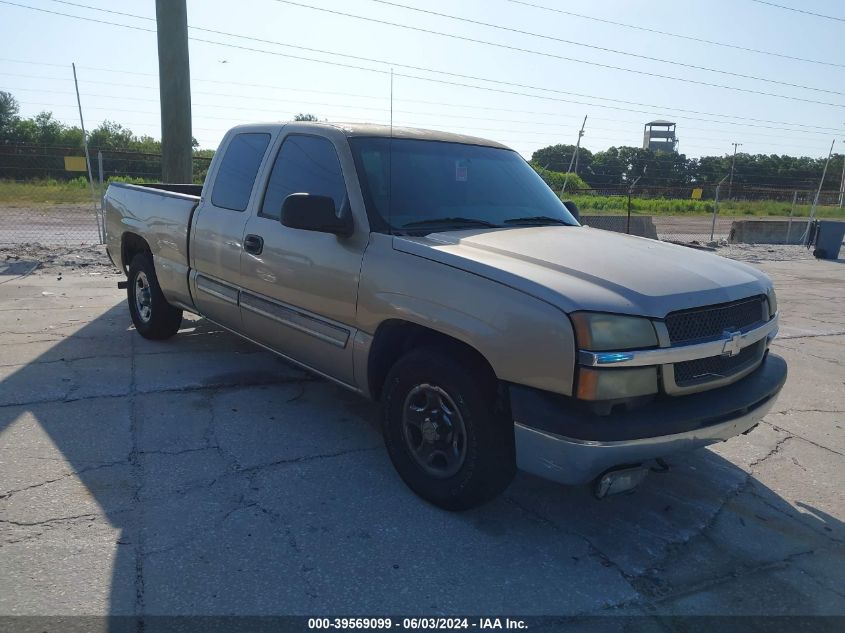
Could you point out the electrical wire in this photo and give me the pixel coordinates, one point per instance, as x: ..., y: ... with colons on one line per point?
x: 440, y: 72
x: 805, y: 12
x: 558, y: 39
x: 691, y: 38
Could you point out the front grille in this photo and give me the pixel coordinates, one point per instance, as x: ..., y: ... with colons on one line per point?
x: 715, y: 367
x: 711, y: 322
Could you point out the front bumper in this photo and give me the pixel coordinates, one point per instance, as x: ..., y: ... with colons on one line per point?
x: 558, y: 440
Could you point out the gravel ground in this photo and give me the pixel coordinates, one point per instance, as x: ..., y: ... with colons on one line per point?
x: 763, y: 252
x: 87, y: 259
x: 68, y: 224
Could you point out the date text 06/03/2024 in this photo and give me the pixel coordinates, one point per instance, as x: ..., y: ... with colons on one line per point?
x: 423, y: 623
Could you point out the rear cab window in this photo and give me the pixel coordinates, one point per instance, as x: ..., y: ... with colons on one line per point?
x: 238, y: 170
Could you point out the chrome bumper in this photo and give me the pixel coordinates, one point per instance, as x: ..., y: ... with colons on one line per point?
x: 572, y: 460
x: 725, y: 346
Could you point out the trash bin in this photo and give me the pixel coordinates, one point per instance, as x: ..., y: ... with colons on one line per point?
x: 829, y: 236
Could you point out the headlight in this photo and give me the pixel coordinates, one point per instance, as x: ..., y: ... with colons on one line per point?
x: 596, y: 331
x: 773, y: 301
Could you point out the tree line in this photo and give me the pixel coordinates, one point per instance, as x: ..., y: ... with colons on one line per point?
x: 33, y: 147
x: 621, y: 166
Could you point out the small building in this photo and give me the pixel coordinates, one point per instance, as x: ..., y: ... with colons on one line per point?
x: 660, y: 136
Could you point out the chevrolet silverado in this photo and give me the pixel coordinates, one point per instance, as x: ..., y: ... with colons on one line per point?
x: 438, y: 274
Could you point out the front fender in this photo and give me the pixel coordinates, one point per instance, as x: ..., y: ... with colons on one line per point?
x: 526, y: 340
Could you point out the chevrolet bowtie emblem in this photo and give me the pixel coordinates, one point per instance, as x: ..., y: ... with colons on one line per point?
x: 733, y: 343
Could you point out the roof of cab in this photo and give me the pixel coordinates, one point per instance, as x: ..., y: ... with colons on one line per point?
x: 385, y: 131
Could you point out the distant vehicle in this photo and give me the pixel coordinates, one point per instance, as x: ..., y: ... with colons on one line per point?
x: 438, y: 274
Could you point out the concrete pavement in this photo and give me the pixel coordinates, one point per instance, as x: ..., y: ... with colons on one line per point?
x: 204, y: 476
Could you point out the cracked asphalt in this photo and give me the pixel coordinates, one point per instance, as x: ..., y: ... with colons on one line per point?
x: 203, y: 476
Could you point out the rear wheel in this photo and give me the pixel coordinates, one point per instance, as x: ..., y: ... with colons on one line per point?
x: 445, y: 432
x: 152, y: 315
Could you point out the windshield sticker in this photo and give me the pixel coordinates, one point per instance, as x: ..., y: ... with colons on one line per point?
x: 461, y: 170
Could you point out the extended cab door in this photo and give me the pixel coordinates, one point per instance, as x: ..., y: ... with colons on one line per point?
x: 217, y: 238
x: 299, y: 293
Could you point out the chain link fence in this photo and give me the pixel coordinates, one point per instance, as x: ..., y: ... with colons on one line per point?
x: 705, y: 214
x: 46, y: 197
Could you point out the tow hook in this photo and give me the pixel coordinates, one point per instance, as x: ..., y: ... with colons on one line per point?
x: 619, y: 480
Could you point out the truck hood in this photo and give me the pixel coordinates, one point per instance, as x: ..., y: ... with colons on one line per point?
x: 579, y: 268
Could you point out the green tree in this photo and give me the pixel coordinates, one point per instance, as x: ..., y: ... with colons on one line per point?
x: 305, y: 117
x: 9, y: 110
x: 556, y: 179
x: 111, y: 135
x: 558, y: 157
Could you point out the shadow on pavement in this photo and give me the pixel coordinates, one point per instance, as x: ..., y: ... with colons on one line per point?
x: 204, y: 476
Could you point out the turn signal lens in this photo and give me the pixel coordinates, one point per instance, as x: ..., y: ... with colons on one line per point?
x: 773, y: 302
x: 612, y: 384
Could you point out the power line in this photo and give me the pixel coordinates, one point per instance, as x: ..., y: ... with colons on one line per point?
x: 358, y: 95
x: 288, y: 88
x: 446, y: 73
x: 417, y: 123
x: 677, y: 35
x: 559, y: 129
x: 584, y: 61
x: 805, y: 12
x: 508, y: 47
x: 559, y: 39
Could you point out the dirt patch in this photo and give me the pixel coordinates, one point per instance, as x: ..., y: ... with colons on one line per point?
x: 90, y: 260
x: 764, y: 252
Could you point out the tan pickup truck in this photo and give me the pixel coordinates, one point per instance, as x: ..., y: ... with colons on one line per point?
x: 438, y: 274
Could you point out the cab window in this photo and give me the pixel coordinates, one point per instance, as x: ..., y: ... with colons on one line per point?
x: 305, y: 164
x: 237, y: 172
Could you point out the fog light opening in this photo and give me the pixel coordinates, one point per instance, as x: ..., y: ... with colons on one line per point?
x: 619, y: 481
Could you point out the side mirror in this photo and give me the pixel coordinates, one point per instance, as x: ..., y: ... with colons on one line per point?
x: 573, y: 209
x: 314, y: 213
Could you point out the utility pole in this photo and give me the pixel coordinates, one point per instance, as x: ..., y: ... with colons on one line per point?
x: 842, y: 183
x: 733, y: 161
x: 574, y: 158
x: 174, y: 77
x: 88, y: 158
x: 805, y: 237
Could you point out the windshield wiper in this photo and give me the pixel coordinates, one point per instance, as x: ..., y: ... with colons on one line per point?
x: 449, y: 221
x: 537, y: 219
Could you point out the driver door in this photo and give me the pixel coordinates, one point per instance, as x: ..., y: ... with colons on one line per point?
x: 299, y: 292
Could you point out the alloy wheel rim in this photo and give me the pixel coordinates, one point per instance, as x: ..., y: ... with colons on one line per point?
x: 143, y: 297
x: 434, y: 431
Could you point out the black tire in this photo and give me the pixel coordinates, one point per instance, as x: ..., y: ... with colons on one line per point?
x: 152, y: 316
x: 486, y: 462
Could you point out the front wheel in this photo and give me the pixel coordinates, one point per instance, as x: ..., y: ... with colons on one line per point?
x: 152, y: 315
x: 445, y: 432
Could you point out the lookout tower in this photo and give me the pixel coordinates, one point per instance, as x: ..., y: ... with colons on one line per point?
x: 660, y: 136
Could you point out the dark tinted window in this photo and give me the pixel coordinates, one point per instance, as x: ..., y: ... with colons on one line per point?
x: 238, y: 170
x: 407, y: 182
x: 305, y: 164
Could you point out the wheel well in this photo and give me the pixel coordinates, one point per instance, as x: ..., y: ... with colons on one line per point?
x: 131, y: 245
x: 394, y: 338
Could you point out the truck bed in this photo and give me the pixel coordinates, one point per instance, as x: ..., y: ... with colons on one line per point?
x: 161, y: 215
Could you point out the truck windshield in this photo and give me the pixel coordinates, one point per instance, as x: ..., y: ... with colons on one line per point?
x: 418, y: 186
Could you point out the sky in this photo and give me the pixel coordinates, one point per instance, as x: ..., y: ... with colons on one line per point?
x: 528, y: 83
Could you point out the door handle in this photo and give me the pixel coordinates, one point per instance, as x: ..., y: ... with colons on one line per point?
x: 254, y: 244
